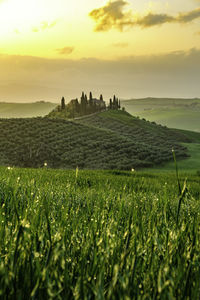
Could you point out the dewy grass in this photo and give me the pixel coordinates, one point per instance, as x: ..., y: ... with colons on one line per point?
x: 176, y: 168
x: 182, y: 191
x: 110, y: 236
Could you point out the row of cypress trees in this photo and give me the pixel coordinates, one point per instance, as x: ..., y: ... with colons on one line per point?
x: 115, y: 103
x: 88, y: 106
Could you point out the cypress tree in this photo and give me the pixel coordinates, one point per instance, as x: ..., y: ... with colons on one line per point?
x: 111, y: 105
x: 90, y: 108
x: 114, y: 102
x: 86, y: 104
x: 83, y: 104
x: 82, y: 96
x: 62, y: 103
x: 117, y: 103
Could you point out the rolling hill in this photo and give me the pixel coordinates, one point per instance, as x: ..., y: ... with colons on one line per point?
x: 174, y: 113
x: 108, y: 140
x: 25, y: 110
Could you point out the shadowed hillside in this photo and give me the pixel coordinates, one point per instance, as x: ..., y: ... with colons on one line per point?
x: 108, y: 140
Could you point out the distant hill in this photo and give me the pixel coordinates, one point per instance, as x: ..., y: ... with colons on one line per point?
x: 108, y: 140
x: 25, y: 110
x: 174, y: 113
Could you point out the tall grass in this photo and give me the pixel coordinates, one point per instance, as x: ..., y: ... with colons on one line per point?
x: 97, y: 235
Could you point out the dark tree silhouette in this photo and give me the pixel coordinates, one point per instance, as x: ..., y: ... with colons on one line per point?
x: 83, y: 104
x: 114, y: 102
x: 63, y: 103
x: 82, y: 96
x: 86, y: 106
x: 117, y: 103
x: 111, y: 104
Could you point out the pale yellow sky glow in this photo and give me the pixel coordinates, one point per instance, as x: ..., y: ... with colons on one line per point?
x: 40, y: 27
x: 74, y: 30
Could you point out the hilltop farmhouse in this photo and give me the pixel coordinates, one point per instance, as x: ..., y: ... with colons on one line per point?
x: 86, y: 106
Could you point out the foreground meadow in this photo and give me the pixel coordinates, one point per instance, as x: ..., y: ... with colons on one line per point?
x: 98, y: 235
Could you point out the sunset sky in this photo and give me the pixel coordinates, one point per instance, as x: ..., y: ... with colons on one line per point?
x: 50, y: 48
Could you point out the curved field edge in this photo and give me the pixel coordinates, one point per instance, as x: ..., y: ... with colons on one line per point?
x: 190, y: 164
x: 98, y: 235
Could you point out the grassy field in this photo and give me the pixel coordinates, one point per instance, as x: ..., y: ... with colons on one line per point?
x: 25, y: 110
x: 98, y: 235
x: 104, y: 234
x: 174, y: 113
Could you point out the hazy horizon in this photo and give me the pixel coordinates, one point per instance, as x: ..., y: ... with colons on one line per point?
x: 57, y: 101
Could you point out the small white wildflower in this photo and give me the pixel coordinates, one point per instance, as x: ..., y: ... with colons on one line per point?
x: 25, y: 223
x: 45, y: 164
x: 132, y: 170
x: 57, y: 236
x: 37, y: 254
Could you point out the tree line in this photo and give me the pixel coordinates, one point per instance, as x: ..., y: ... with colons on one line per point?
x: 87, y: 105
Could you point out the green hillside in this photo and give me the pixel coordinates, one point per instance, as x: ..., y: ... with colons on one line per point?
x: 137, y: 129
x: 174, y: 113
x: 25, y: 110
x: 108, y: 140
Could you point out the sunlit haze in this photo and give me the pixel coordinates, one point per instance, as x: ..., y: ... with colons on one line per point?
x: 135, y: 48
